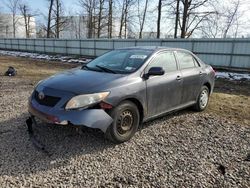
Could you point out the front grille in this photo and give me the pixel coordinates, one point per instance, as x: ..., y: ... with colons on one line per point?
x: 50, y: 101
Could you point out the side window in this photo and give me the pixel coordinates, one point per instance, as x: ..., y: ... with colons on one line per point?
x: 186, y: 60
x: 166, y: 60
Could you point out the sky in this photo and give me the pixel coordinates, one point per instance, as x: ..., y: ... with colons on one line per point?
x: 71, y: 6
x: 41, y: 5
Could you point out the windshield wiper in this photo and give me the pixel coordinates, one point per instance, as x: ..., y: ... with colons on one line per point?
x: 88, y: 68
x: 106, y: 69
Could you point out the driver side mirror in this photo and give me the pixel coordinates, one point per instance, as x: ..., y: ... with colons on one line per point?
x: 154, y: 71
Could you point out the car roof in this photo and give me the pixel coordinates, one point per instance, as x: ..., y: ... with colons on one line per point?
x: 153, y: 48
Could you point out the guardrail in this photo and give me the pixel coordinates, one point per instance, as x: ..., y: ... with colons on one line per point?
x: 230, y: 53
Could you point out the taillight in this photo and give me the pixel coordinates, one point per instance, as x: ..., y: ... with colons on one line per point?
x: 213, y: 70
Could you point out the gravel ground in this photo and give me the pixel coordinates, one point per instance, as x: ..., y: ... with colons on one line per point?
x: 185, y: 149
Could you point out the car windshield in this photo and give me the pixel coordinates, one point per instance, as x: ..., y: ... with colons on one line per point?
x: 119, y: 61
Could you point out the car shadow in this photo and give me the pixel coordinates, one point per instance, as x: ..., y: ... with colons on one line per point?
x: 18, y: 154
x: 166, y: 117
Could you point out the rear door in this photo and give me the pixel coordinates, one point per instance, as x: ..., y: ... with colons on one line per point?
x: 191, y: 75
x: 163, y: 92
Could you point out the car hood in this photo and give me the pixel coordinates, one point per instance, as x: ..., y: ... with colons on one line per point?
x: 80, y: 81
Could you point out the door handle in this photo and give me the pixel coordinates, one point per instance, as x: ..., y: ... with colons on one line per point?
x: 178, y: 77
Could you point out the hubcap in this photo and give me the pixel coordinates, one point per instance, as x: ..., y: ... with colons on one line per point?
x: 203, y: 98
x: 125, y: 122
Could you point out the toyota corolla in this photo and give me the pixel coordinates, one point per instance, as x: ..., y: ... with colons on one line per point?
x: 123, y: 88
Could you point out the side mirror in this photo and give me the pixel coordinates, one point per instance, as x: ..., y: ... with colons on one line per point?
x: 154, y: 71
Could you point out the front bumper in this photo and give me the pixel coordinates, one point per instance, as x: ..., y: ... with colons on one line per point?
x: 93, y: 118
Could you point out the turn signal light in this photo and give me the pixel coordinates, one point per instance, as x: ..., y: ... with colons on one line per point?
x: 52, y: 118
x: 105, y: 105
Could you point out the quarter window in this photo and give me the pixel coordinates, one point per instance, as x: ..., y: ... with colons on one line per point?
x: 166, y: 60
x: 186, y: 60
x: 196, y: 62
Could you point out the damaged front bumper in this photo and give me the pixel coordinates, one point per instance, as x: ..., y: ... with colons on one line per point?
x: 93, y: 118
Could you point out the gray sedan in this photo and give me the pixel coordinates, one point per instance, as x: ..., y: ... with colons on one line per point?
x: 121, y: 89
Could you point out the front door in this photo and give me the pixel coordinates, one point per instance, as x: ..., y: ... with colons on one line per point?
x: 163, y: 92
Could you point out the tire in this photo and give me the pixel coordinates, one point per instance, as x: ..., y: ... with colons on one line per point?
x: 126, y: 120
x: 202, y: 100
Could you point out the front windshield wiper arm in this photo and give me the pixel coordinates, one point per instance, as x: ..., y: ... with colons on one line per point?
x: 88, y: 68
x: 106, y: 69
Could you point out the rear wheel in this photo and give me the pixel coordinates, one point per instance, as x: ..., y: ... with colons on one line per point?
x: 125, y: 122
x: 203, y: 99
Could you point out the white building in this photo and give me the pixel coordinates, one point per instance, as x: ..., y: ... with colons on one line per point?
x: 76, y: 27
x: 7, y: 30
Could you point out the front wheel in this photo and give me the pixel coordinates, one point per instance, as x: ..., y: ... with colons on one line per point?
x: 126, y: 119
x: 202, y: 100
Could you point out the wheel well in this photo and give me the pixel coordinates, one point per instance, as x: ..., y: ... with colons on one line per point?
x: 139, y: 106
x: 208, y: 86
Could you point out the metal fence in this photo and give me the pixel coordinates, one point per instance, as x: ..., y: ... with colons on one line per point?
x: 232, y: 53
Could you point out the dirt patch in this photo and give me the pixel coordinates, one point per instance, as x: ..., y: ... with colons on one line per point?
x: 232, y: 87
x: 33, y: 70
x: 231, y: 99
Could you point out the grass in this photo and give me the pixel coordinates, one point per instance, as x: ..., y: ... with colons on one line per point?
x: 231, y: 106
x: 231, y: 99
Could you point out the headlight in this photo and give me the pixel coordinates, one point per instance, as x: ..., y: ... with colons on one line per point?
x: 83, y: 101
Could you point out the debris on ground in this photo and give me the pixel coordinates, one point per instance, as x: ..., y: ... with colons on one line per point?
x: 69, y: 59
x: 233, y: 76
x: 10, y: 72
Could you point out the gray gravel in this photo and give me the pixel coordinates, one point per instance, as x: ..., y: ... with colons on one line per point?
x: 182, y: 150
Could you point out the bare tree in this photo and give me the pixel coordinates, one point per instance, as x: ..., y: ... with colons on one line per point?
x: 126, y: 8
x: 1, y: 18
x: 75, y: 25
x: 101, y: 16
x: 193, y: 16
x: 51, y: 2
x: 13, y: 7
x: 231, y: 15
x: 211, y: 26
x: 41, y: 30
x: 57, y: 17
x: 225, y: 23
x: 177, y: 13
x: 159, y: 19
x: 2, y: 25
x: 122, y: 19
x: 142, y: 16
x: 27, y: 16
x: 186, y: 4
x: 110, y: 18
x: 56, y: 21
x: 60, y: 20
x: 88, y: 7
